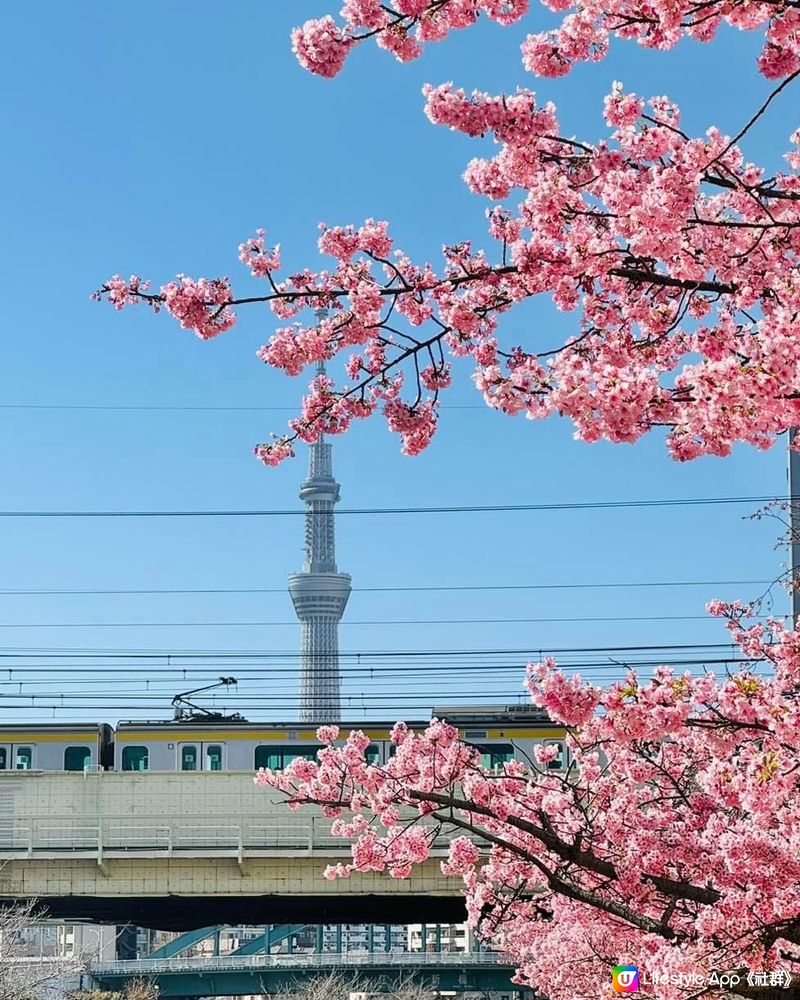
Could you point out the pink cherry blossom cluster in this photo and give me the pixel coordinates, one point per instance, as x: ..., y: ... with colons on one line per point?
x: 671, y: 842
x: 275, y: 452
x: 202, y: 305
x: 403, y: 27
x: 678, y: 256
x: 321, y: 46
x: 254, y: 254
x: 121, y: 293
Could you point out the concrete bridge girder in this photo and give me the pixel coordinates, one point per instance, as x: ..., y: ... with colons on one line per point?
x: 181, y: 895
x: 180, y: 851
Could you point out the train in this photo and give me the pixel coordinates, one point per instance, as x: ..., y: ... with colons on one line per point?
x: 215, y: 742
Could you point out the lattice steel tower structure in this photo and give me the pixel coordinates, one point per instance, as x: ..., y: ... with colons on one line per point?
x: 319, y: 593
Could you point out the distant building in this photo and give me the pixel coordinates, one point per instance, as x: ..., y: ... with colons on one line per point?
x: 56, y: 940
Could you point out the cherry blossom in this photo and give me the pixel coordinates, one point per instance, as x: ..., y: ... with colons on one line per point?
x: 320, y: 46
x: 202, y: 305
x: 403, y: 27
x: 671, y: 841
x: 676, y: 255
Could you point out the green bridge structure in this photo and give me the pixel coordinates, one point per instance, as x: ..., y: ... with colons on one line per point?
x: 284, y: 935
x: 253, y: 968
x: 241, y: 975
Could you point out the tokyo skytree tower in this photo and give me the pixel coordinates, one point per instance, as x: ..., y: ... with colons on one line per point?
x: 319, y: 593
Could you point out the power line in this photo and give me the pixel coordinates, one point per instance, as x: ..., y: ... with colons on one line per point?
x: 386, y: 699
x: 169, y: 672
x: 286, y: 689
x: 25, y: 652
x: 361, y: 624
x: 115, y: 707
x: 275, y: 673
x: 463, y: 509
x: 634, y: 584
x: 390, y: 621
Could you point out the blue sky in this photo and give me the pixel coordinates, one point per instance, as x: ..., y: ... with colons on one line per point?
x: 154, y: 143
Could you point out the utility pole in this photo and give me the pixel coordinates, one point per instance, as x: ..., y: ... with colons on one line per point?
x: 794, y: 523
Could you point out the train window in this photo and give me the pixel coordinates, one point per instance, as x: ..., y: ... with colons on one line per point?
x: 189, y: 758
x: 214, y: 758
x: 276, y: 757
x: 372, y: 754
x: 24, y: 758
x: 135, y: 759
x: 3, y: 758
x: 557, y: 763
x: 494, y: 755
x: 77, y: 758
x: 265, y: 757
x: 290, y: 753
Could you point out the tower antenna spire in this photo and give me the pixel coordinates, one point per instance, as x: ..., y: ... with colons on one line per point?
x: 319, y: 592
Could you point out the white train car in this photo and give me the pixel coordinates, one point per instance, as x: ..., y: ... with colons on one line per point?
x: 56, y: 747
x: 508, y: 732
x: 209, y: 744
x: 216, y: 743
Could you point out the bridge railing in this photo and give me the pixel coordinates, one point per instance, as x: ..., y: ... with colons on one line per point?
x: 184, y: 834
x: 350, y: 960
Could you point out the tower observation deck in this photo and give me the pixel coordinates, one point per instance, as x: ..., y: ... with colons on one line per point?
x: 319, y: 592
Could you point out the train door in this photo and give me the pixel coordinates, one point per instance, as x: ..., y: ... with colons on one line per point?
x: 201, y: 756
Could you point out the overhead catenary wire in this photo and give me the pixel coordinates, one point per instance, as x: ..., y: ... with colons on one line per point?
x: 380, y: 653
x: 384, y: 700
x: 18, y: 684
x: 285, y: 690
x: 58, y: 677
x: 277, y: 674
x: 112, y: 691
x: 432, y: 509
x: 229, y: 656
x: 59, y: 694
